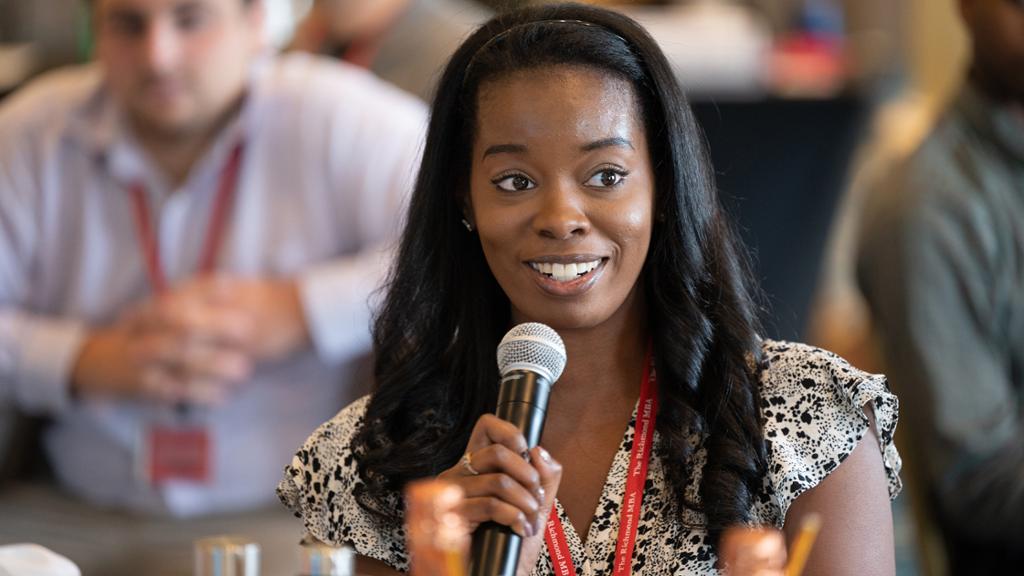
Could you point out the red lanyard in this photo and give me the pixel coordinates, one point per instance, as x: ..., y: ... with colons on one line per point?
x: 632, y: 498
x: 214, y: 234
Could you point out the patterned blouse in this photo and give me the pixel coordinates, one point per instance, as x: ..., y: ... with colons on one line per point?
x: 813, y: 407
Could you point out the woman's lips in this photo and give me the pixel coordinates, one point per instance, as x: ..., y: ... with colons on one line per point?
x: 567, y: 279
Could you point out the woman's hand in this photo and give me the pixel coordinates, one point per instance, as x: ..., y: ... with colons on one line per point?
x: 504, y: 485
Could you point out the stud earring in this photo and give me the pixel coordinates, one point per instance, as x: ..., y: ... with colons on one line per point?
x: 469, y: 227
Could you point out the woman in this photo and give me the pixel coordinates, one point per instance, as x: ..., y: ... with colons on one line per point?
x: 564, y: 181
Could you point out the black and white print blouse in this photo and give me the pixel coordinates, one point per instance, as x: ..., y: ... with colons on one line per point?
x: 813, y: 406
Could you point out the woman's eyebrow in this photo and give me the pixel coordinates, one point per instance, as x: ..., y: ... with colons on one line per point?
x: 504, y: 149
x: 589, y: 147
x: 606, y: 142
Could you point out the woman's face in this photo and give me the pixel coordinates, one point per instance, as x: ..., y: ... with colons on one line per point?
x: 562, y: 193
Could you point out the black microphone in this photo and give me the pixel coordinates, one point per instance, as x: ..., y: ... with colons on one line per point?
x: 531, y: 357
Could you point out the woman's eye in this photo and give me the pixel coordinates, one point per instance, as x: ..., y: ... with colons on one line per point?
x: 606, y: 178
x: 513, y: 183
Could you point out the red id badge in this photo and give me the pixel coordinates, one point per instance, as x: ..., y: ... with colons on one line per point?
x: 179, y: 453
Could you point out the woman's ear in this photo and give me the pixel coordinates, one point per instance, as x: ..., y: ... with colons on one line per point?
x: 467, y: 214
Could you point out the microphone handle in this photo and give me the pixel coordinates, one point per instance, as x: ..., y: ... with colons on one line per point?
x: 495, y: 550
x: 523, y: 401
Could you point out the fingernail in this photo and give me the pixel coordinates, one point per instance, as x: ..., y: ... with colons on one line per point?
x: 540, y: 494
x: 528, y: 529
x: 545, y: 456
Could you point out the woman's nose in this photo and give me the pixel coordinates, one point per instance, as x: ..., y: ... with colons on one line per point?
x: 561, y: 214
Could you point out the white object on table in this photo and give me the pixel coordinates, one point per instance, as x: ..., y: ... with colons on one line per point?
x: 34, y: 560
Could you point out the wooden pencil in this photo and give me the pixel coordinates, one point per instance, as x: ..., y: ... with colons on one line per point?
x: 802, y: 545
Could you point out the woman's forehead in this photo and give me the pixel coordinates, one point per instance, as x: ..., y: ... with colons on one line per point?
x: 569, y: 102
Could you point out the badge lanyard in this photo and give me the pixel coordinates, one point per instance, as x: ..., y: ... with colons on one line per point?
x: 182, y: 452
x: 148, y: 243
x: 632, y: 498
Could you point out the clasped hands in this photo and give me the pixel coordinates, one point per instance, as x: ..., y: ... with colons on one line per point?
x: 193, y: 343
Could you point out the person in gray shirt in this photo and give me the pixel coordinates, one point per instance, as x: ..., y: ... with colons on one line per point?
x: 941, y: 264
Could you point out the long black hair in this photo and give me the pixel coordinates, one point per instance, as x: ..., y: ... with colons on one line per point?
x: 445, y: 313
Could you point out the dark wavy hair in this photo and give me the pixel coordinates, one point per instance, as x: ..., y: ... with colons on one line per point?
x: 444, y: 314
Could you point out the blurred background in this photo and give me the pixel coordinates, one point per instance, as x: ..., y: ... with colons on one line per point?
x: 805, y: 105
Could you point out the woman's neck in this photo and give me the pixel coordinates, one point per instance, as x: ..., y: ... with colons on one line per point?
x: 605, y: 361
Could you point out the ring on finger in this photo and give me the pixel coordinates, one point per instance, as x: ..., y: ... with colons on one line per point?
x: 467, y: 464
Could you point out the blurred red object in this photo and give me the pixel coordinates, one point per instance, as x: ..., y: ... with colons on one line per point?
x: 807, y: 65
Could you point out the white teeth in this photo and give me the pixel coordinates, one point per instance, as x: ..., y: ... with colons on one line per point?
x: 565, y: 272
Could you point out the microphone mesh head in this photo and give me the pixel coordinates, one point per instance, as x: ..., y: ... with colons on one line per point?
x: 532, y: 346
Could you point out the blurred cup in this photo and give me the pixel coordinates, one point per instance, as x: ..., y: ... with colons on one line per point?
x: 319, y: 559
x: 227, y: 556
x: 438, y: 535
x: 747, y: 551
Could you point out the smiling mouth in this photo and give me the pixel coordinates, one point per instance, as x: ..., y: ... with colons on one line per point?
x: 566, y: 272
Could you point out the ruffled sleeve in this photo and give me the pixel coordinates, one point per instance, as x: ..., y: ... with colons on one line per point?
x: 813, y: 403
x: 319, y: 486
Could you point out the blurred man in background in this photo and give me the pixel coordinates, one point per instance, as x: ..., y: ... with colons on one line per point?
x: 941, y: 263
x: 189, y: 234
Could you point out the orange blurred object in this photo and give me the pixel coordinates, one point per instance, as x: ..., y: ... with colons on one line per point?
x: 749, y: 551
x: 438, y: 536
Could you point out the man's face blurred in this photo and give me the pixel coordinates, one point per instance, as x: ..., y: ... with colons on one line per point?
x: 177, y: 65
x: 997, y: 32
